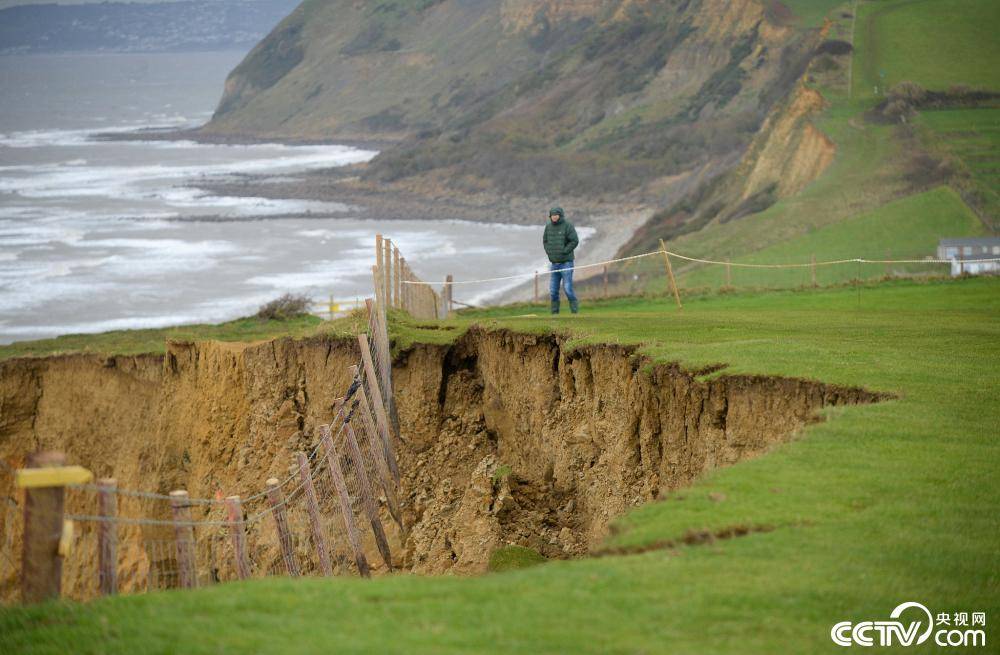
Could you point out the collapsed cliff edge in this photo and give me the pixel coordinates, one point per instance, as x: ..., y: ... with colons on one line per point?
x: 506, y: 438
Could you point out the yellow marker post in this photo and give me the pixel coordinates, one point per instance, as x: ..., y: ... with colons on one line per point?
x: 52, y: 476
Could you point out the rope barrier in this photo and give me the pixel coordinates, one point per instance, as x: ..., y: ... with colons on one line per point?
x: 653, y: 253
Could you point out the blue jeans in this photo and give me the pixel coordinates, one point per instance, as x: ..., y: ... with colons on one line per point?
x: 562, y: 273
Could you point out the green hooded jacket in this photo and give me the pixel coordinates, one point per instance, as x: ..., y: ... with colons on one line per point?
x: 560, y: 240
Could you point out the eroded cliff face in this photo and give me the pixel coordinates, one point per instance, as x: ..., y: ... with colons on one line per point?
x: 505, y: 438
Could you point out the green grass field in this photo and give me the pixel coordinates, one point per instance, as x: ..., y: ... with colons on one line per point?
x: 878, y: 505
x: 131, y: 342
x: 935, y: 43
x: 904, y: 229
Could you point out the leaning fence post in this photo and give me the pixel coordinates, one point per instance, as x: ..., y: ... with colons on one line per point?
x: 365, y: 487
x: 237, y: 532
x: 41, y: 565
x: 312, y: 506
x: 378, y: 453
x: 376, y: 396
x: 278, y: 510
x: 184, y: 536
x: 333, y: 463
x: 670, y: 274
x: 107, y: 536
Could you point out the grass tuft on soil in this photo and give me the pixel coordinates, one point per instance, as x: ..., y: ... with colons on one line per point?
x: 511, y: 558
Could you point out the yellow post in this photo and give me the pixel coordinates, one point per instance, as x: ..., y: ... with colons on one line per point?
x: 670, y: 274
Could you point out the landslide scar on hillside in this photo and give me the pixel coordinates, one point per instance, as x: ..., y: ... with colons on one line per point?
x: 505, y: 437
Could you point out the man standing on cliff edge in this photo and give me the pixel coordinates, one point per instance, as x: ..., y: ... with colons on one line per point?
x: 560, y: 241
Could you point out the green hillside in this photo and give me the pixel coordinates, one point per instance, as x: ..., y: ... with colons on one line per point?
x: 877, y: 505
x: 903, y: 229
x: 896, y: 184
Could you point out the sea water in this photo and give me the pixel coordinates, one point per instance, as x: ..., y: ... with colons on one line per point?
x: 98, y: 235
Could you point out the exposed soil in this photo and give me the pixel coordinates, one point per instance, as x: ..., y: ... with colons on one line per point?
x: 506, y: 438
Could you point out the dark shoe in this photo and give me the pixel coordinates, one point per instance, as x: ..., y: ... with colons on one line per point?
x: 574, y: 306
x: 555, y: 306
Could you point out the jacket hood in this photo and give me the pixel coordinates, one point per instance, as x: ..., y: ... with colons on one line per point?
x: 557, y: 210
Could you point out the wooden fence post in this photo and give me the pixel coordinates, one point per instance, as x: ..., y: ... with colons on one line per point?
x: 448, y: 307
x: 238, y: 535
x: 814, y: 270
x: 107, y: 536
x: 404, y: 289
x: 729, y: 274
x: 888, y: 256
x: 396, y: 280
x: 333, y: 463
x: 279, y: 511
x: 380, y: 414
x: 378, y: 454
x: 379, y: 268
x: 312, y: 505
x: 605, y: 281
x: 41, y: 564
x: 670, y: 274
x: 184, y: 536
x: 364, y: 484
x: 536, y: 286
x: 387, y: 277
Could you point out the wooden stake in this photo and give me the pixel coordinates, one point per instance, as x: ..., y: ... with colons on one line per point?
x: 536, y: 286
x: 376, y: 396
x: 365, y: 487
x: 41, y: 565
x: 729, y: 274
x: 184, y: 536
x: 396, y: 281
x: 380, y: 269
x: 888, y: 256
x: 107, y: 536
x: 405, y: 288
x: 605, y: 281
x: 387, y: 277
x: 814, y: 270
x: 333, y: 463
x: 373, y: 444
x: 312, y: 505
x: 670, y: 274
x: 448, y: 307
x: 279, y: 511
x: 238, y: 535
